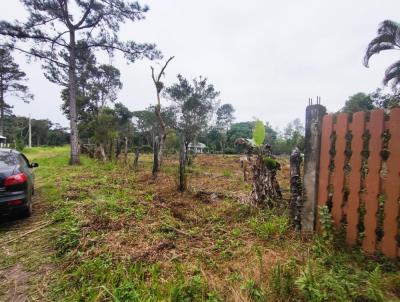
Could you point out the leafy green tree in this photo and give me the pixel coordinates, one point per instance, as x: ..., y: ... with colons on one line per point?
x: 40, y: 131
x: 44, y: 132
x: 104, y: 85
x: 194, y: 103
x: 58, y: 136
x: 11, y: 83
x: 239, y: 130
x: 145, y: 122
x: 388, y: 37
x: 224, y: 121
x: 358, y: 102
x: 213, y: 139
x: 291, y: 137
x: 53, y: 26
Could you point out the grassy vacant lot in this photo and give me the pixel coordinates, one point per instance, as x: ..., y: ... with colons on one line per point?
x: 106, y: 233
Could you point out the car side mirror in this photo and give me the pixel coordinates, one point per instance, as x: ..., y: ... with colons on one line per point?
x: 33, y: 165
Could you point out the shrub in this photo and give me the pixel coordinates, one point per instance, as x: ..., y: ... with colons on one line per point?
x: 230, y: 150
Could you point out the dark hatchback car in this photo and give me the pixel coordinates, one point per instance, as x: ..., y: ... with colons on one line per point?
x: 16, y: 183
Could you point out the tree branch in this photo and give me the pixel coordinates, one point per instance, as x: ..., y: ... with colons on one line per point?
x: 163, y: 69
x: 64, y: 10
x: 34, y: 54
x: 45, y: 22
x: 76, y: 26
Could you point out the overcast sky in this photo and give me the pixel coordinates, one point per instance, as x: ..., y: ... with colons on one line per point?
x: 265, y: 57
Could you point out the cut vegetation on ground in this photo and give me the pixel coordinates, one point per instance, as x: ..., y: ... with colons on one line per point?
x: 102, y: 232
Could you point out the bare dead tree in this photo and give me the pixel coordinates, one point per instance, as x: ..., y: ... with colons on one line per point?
x: 159, y: 140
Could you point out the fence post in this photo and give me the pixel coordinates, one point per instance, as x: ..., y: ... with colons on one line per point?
x: 312, y: 146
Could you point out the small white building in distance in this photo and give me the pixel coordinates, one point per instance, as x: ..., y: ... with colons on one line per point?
x: 197, y: 148
x: 3, y: 141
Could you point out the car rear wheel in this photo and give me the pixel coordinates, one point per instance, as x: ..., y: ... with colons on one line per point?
x: 27, y: 211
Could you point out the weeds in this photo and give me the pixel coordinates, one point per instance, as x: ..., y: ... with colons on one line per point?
x: 270, y: 225
x: 254, y: 292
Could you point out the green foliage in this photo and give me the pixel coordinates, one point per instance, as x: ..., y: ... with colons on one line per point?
x: 339, y: 283
x: 67, y: 237
x: 270, y: 225
x: 358, y: 102
x: 146, y: 149
x: 259, y: 133
x: 325, y: 219
x: 270, y: 162
x: 44, y: 132
x: 283, y: 278
x: 254, y: 292
x: 230, y: 150
x: 193, y: 289
x: 374, y: 285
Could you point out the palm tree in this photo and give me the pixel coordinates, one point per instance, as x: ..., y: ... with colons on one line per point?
x: 388, y: 38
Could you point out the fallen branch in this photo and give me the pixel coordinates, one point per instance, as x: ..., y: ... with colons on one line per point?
x: 27, y: 233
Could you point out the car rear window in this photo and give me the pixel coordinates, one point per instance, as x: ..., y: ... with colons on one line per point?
x: 8, y: 159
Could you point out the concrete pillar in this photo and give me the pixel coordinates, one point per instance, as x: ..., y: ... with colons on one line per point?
x: 313, y: 126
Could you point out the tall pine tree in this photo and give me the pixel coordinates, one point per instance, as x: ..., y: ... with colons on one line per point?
x: 53, y: 25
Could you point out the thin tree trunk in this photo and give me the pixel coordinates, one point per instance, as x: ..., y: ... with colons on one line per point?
x: 126, y: 151
x: 159, y: 140
x: 118, y: 149
x: 136, y: 160
x: 182, y: 164
x: 110, y: 150
x: 1, y: 112
x: 156, y: 147
x: 74, y: 160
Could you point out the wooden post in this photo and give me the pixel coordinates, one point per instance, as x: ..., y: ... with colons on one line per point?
x: 314, y: 115
x: 182, y: 163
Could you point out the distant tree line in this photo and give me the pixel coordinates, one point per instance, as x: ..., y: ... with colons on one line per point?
x: 44, y: 132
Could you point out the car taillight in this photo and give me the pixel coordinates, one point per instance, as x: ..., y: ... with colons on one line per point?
x: 15, y: 180
x: 15, y: 202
